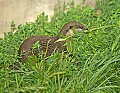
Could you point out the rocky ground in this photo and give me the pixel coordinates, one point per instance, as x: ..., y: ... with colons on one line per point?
x: 22, y: 11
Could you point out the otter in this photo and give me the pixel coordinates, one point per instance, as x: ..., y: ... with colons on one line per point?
x: 48, y: 43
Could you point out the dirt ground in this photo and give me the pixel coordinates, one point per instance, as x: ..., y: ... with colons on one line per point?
x: 22, y: 11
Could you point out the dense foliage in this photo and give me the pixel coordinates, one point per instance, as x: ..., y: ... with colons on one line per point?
x: 94, y: 64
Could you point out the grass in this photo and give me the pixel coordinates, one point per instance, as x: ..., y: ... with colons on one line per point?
x: 94, y: 64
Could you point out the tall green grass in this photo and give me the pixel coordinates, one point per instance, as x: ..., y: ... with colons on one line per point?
x: 92, y: 61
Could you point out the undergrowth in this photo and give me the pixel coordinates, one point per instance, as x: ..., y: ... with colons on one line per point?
x: 94, y: 62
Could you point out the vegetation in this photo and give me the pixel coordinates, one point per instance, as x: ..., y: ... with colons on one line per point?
x: 92, y: 61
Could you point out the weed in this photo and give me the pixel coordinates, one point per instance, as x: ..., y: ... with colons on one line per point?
x: 92, y: 61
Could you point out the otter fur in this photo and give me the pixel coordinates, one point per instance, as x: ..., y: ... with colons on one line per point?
x: 48, y: 43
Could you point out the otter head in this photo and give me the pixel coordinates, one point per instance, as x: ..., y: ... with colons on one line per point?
x: 67, y: 29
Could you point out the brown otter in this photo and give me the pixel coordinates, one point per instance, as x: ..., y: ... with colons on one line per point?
x: 48, y: 43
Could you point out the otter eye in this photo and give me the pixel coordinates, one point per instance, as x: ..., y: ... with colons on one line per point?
x: 71, y: 27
